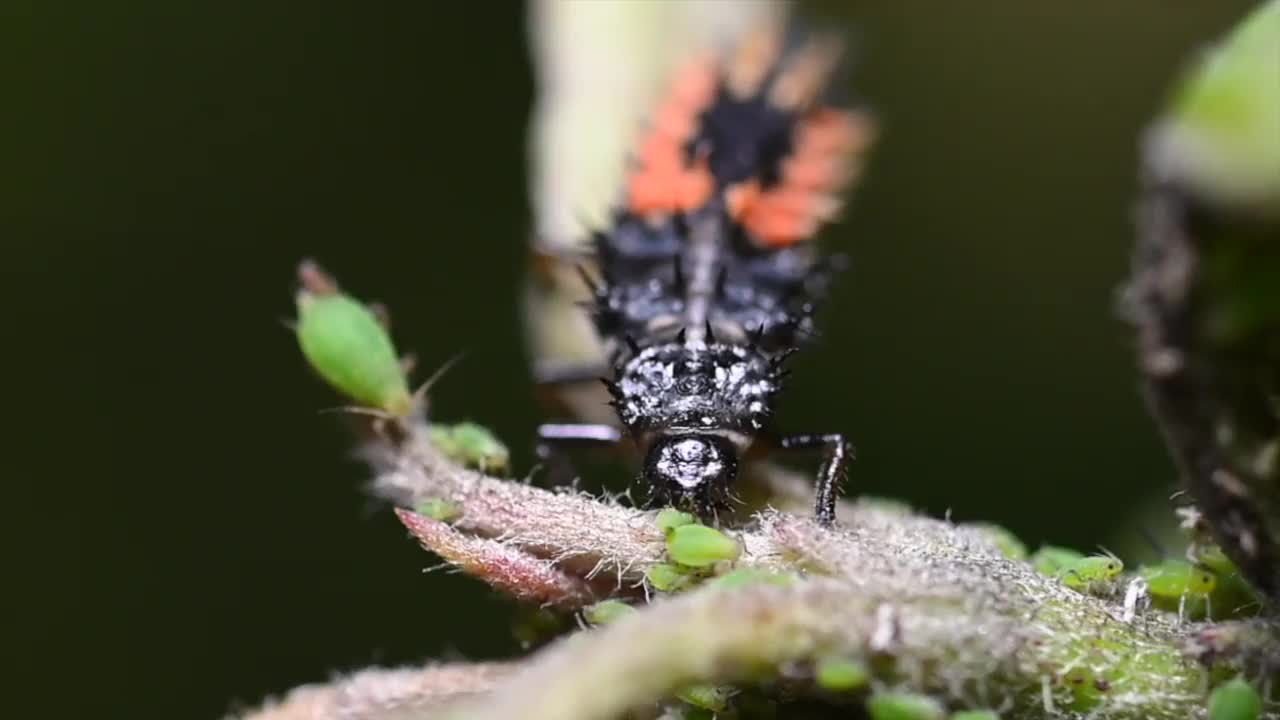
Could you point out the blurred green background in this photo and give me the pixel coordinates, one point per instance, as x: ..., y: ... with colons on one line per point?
x: 189, y: 534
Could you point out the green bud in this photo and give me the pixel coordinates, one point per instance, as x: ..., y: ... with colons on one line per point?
x: 607, y: 611
x: 1221, y: 135
x: 975, y: 715
x: 471, y: 445
x: 667, y: 577
x: 1235, y: 700
x: 669, y: 519
x: 439, y: 509
x: 751, y: 576
x: 904, y: 706
x: 707, y: 697
x: 350, y: 349
x: 700, y: 546
x: 841, y: 674
x: 1052, y: 559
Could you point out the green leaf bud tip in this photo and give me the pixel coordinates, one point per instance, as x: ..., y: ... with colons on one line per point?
x: 439, y: 509
x: 904, y: 706
x: 1223, y: 132
x: 1235, y: 700
x: 607, y: 611
x: 344, y: 342
x: 669, y: 519
x: 700, y: 546
x: 841, y: 674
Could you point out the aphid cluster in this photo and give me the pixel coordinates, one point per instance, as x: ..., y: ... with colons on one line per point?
x: 708, y: 279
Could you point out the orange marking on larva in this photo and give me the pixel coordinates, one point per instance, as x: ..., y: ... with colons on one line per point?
x: 812, y: 173
x: 836, y: 131
x: 660, y: 152
x: 695, y: 83
x: 667, y: 190
x: 828, y: 131
x: 674, y: 122
x: 649, y: 192
x: 788, y: 200
x: 663, y: 180
x: 740, y: 197
x: 694, y: 186
x: 777, y: 229
x: 786, y: 215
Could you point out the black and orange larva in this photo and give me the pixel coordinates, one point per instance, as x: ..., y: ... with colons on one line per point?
x: 709, y: 278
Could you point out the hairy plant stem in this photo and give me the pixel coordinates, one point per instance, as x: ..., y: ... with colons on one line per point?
x: 925, y: 604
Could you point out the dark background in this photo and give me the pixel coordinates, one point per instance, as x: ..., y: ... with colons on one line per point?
x: 187, y: 533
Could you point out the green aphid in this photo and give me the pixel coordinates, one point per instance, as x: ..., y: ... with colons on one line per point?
x: 700, y: 546
x: 471, y: 445
x: 1179, y: 586
x: 1006, y: 542
x: 1172, y: 579
x: 607, y: 611
x: 841, y: 674
x: 1235, y: 700
x: 904, y: 706
x: 1212, y: 557
x: 708, y: 697
x: 1233, y: 595
x: 667, y: 577
x: 351, y: 350
x: 669, y: 519
x: 1091, y: 574
x: 1052, y: 559
x: 752, y: 576
x: 976, y: 715
x: 439, y: 509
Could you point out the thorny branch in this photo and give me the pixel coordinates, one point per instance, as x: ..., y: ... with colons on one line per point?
x: 925, y: 604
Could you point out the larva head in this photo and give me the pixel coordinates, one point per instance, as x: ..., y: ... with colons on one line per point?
x: 692, y: 470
